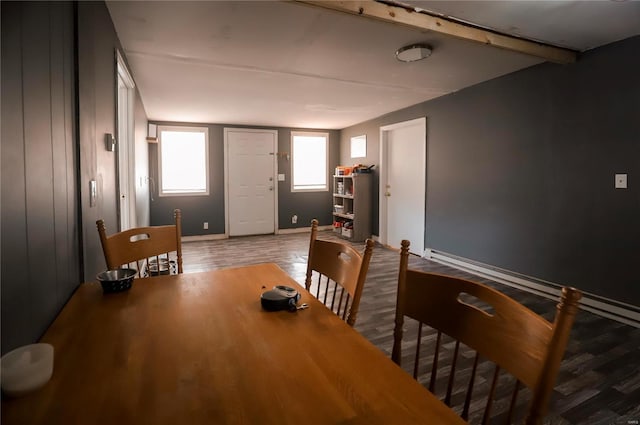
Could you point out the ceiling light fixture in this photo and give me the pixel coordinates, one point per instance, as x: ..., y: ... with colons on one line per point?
x: 413, y: 52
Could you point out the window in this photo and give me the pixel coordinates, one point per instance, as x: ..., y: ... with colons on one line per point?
x: 309, y: 167
x: 183, y: 160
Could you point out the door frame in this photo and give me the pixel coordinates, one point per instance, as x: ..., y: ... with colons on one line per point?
x: 125, y: 163
x: 384, y: 174
x: 226, y: 174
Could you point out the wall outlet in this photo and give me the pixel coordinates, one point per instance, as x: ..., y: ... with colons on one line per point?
x: 206, y: 225
x: 621, y: 181
x: 294, y: 219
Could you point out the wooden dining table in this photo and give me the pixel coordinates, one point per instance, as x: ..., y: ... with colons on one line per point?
x: 197, y: 348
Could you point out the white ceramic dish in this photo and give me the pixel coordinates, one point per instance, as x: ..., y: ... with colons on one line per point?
x: 26, y: 369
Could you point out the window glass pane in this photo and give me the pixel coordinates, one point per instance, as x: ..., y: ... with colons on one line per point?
x: 183, y: 162
x: 309, y: 162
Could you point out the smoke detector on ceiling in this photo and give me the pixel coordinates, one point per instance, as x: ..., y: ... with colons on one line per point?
x: 414, y: 52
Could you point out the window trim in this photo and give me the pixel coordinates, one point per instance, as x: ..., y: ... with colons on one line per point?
x: 313, y: 134
x: 193, y: 129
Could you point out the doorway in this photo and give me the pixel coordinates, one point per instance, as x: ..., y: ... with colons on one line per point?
x: 250, y: 176
x: 403, y: 164
x: 125, y: 147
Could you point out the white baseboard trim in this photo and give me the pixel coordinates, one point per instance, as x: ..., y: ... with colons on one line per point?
x: 303, y: 229
x: 602, y: 306
x: 212, y: 237
x: 219, y: 236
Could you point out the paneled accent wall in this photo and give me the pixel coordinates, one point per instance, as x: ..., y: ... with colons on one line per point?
x: 97, y: 42
x: 97, y: 45
x: 40, y: 234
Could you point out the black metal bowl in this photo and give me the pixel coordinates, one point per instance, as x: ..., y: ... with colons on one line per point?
x: 117, y: 280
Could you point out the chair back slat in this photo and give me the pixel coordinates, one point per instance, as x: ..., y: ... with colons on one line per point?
x: 492, y: 391
x: 333, y: 297
x: 416, y: 361
x: 524, y: 345
x: 326, y: 290
x: 347, y: 308
x: 514, y: 399
x: 452, y: 374
x: 340, y: 301
x: 142, y: 247
x: 434, y: 364
x: 343, y: 268
x: 469, y: 395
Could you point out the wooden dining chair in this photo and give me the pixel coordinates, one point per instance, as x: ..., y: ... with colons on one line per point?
x: 339, y: 268
x: 150, y: 250
x: 466, y: 316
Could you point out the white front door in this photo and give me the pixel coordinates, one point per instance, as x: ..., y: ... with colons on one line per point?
x: 403, y: 159
x: 250, y: 181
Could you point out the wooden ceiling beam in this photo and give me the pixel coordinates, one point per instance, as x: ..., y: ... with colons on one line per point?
x: 399, y: 15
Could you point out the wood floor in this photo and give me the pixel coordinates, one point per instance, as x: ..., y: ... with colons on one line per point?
x: 599, y: 381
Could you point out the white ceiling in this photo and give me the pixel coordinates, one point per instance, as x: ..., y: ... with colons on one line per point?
x: 291, y: 65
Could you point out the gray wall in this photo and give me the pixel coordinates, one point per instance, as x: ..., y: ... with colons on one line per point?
x: 520, y: 171
x: 198, y: 209
x: 97, y: 43
x: 51, y: 148
x: 40, y: 239
x: 306, y: 205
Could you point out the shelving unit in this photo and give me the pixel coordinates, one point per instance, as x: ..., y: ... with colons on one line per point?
x: 352, y: 206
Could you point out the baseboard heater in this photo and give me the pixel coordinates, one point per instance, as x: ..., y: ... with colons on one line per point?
x: 605, y: 307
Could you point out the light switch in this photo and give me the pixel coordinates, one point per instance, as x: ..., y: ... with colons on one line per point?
x: 621, y: 181
x: 280, y: 177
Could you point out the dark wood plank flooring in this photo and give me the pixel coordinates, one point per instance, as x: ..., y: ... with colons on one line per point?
x: 599, y: 381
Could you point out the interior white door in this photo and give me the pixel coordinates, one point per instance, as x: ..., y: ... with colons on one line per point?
x: 125, y: 145
x: 250, y: 176
x: 403, y: 183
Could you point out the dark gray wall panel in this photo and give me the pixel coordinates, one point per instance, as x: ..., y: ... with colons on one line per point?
x: 520, y: 171
x: 40, y: 243
x: 97, y: 44
x: 16, y: 329
x: 66, y: 255
x: 87, y: 98
x: 41, y: 230
x: 39, y: 162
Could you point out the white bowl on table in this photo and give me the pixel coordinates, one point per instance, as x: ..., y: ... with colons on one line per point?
x: 26, y: 369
